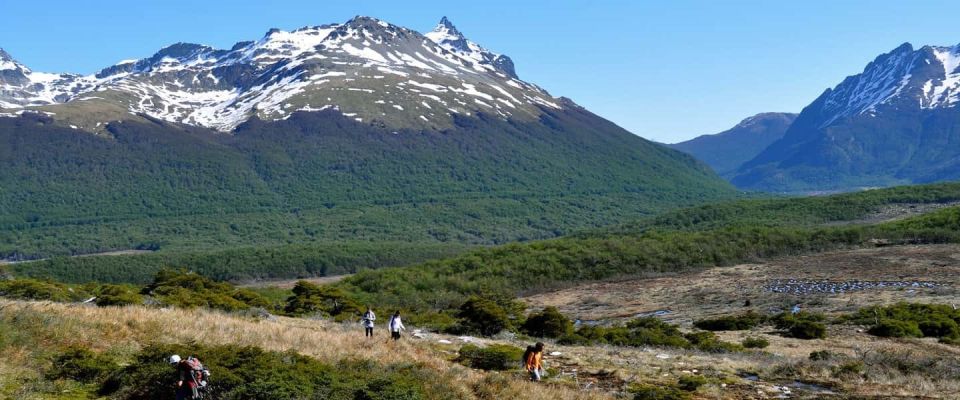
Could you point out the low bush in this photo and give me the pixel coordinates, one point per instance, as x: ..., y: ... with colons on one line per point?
x: 498, y: 357
x: 82, y: 365
x: 747, y: 320
x: 573, y: 339
x: 820, y: 355
x: 708, y: 341
x: 483, y: 316
x: 658, y: 392
x: 895, y: 328
x: 37, y: 289
x: 117, y: 295
x: 801, y: 325
x: 910, y: 320
x: 849, y: 369
x: 189, y: 290
x: 690, y: 383
x: 252, y: 373
x: 547, y: 323
x: 648, y: 331
x: 808, y: 330
x: 309, y: 298
x: 755, y: 343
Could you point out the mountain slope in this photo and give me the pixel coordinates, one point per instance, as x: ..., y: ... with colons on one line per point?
x: 894, y: 123
x: 727, y: 150
x: 163, y: 175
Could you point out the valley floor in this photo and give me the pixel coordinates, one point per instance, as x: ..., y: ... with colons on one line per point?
x: 833, y: 283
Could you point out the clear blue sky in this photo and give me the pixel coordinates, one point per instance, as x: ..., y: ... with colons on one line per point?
x: 665, y: 70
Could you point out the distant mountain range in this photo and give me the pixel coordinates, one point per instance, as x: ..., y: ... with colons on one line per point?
x: 894, y: 123
x: 726, y: 151
x: 424, y: 137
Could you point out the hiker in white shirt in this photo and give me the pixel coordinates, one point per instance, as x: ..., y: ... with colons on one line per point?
x: 395, y: 326
x: 367, y: 320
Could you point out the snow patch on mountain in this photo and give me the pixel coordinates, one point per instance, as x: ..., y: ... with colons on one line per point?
x: 287, y: 71
x: 945, y: 91
x: 924, y: 78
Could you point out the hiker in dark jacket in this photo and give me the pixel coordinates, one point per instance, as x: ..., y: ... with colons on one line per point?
x: 367, y: 320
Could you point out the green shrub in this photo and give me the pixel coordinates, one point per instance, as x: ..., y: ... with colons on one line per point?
x: 755, y: 343
x: 117, y: 295
x: 802, y: 325
x: 189, y: 290
x: 82, y: 365
x: 950, y: 340
x: 820, y: 355
x: 648, y: 331
x: 36, y: 289
x: 939, y: 326
x: 651, y: 331
x: 807, y: 330
x: 499, y: 357
x: 439, y: 321
x: 573, y: 339
x: 690, y: 383
x: 654, y: 392
x: 252, y: 373
x: 748, y: 320
x: 483, y: 316
x: 547, y: 323
x: 708, y: 341
x: 909, y: 320
x: 895, y: 328
x: 852, y: 368
x: 309, y: 298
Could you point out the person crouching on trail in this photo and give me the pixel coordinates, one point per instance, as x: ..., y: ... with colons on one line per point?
x: 395, y: 326
x: 368, y: 318
x: 533, y: 361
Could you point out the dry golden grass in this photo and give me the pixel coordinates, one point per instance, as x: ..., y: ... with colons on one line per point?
x: 125, y: 329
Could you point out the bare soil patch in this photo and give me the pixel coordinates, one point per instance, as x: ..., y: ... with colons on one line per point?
x: 885, y: 274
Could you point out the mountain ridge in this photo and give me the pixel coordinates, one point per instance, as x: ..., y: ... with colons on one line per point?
x: 366, y: 68
x: 727, y: 150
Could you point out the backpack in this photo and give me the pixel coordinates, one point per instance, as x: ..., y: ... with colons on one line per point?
x: 199, y: 373
x: 526, y: 356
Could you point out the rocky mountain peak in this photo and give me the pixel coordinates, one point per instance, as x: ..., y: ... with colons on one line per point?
x: 365, y: 68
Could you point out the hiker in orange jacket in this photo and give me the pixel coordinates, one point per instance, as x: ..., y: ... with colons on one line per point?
x: 533, y: 361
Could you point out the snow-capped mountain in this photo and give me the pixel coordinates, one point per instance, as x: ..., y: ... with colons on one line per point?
x: 368, y: 69
x: 897, y: 122
x: 447, y: 36
x: 19, y: 86
x: 924, y: 78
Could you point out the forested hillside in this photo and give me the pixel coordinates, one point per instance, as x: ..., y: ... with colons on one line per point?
x: 320, y: 179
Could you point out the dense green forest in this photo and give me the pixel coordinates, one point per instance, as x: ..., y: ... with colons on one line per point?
x: 241, y: 263
x: 514, y: 269
x: 317, y: 182
x: 625, y: 249
x: 794, y: 211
